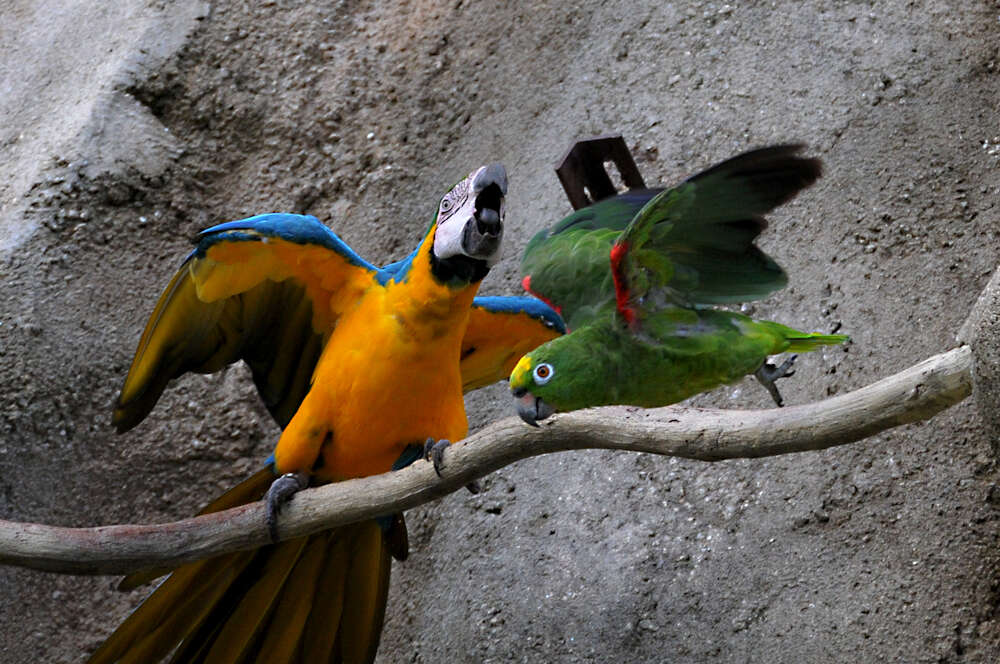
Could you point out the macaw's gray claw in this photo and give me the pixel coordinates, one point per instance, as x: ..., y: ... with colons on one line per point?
x: 434, y: 452
x: 767, y: 374
x: 281, y: 491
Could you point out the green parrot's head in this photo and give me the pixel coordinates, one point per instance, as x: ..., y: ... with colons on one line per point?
x: 558, y: 376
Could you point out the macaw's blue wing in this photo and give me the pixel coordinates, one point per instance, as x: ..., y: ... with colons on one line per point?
x: 267, y: 290
x: 500, y: 331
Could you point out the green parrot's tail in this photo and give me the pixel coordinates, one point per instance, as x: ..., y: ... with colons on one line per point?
x: 804, y: 342
x: 788, y: 339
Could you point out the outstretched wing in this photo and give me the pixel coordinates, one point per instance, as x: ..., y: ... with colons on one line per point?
x: 700, y: 236
x: 567, y: 265
x: 268, y: 290
x: 693, y: 244
x: 500, y: 331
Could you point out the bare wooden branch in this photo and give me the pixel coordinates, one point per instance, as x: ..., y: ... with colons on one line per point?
x: 915, y: 394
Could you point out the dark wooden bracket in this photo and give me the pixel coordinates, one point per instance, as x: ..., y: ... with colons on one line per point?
x: 584, y: 175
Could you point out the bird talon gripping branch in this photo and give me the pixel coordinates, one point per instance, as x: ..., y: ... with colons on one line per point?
x: 434, y: 452
x: 279, y: 493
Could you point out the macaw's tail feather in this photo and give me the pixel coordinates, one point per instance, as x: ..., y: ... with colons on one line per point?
x: 319, y: 598
x: 249, y: 490
x: 803, y: 341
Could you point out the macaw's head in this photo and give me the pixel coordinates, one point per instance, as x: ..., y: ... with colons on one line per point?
x: 558, y: 376
x: 469, y: 226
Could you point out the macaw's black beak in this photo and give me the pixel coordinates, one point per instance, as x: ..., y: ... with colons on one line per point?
x: 531, y: 408
x: 484, y: 231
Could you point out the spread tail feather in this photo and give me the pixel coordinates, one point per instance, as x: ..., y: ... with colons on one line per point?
x: 319, y: 598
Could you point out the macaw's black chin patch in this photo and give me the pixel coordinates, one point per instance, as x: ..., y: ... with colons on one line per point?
x: 458, y: 269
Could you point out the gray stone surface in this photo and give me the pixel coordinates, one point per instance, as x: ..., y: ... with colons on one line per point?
x: 981, y: 330
x: 125, y: 131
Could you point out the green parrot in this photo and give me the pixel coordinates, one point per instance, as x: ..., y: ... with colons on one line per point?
x: 632, y: 277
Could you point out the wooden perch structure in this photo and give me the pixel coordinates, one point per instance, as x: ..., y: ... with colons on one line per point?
x: 916, y: 394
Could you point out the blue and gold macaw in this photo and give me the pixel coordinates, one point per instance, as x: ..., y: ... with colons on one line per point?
x: 360, y: 366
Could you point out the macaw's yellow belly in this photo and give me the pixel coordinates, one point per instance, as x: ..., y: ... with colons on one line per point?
x: 388, y: 377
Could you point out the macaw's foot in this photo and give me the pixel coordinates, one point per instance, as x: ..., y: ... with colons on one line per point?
x: 767, y: 374
x: 281, y: 491
x: 434, y: 452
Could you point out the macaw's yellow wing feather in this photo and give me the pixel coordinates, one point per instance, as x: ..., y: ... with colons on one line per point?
x: 314, y: 599
x: 249, y: 490
x: 500, y: 331
x: 268, y: 290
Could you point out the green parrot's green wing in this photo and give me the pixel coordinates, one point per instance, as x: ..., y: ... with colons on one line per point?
x: 700, y: 237
x: 567, y: 265
x: 693, y: 244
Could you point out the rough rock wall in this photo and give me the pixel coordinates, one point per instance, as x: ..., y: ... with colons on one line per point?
x: 127, y: 131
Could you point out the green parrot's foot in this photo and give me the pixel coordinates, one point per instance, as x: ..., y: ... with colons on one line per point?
x: 434, y: 452
x: 281, y: 491
x: 767, y: 374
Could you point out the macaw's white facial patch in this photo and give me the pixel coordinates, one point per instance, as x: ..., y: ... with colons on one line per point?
x: 470, y: 216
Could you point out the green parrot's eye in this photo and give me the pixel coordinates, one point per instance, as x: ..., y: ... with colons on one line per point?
x: 543, y: 373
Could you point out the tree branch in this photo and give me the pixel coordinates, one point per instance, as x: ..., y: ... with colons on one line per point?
x: 918, y: 393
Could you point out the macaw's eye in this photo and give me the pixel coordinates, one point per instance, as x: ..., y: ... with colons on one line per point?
x: 543, y: 373
x: 445, y: 204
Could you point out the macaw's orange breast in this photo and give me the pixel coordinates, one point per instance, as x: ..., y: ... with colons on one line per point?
x: 389, y: 377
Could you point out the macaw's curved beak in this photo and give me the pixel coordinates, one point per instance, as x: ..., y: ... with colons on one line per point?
x: 484, y: 229
x: 470, y: 220
x: 531, y: 408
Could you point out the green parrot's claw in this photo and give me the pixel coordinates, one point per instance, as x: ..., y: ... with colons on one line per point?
x: 281, y: 491
x: 434, y: 452
x: 767, y: 374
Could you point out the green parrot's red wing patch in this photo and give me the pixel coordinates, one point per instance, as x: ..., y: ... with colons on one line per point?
x: 622, y: 300
x: 500, y: 331
x: 526, y: 285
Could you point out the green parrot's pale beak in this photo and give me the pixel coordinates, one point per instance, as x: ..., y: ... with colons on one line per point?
x: 531, y: 408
